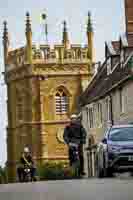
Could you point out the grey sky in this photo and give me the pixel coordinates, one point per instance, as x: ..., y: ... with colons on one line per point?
x: 108, y: 23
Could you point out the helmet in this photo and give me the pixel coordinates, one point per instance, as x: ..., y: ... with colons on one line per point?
x: 26, y: 150
x: 73, y: 116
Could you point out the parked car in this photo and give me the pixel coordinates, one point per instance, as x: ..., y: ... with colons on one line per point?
x: 115, y: 152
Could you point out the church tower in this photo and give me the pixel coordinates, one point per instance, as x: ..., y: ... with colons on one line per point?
x: 43, y: 85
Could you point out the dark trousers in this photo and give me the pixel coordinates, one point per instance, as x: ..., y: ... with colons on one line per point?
x: 81, y: 158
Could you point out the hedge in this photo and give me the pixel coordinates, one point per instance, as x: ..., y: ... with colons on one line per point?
x: 56, y: 171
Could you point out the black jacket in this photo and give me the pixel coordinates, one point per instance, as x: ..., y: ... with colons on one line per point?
x: 74, y: 133
x: 25, y: 159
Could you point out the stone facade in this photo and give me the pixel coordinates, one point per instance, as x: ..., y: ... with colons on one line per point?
x: 43, y: 86
x: 122, y: 113
x: 108, y: 98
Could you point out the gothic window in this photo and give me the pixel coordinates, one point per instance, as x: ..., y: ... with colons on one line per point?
x: 61, y: 102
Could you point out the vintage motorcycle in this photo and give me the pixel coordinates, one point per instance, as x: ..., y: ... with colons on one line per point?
x: 27, y: 174
x: 74, y: 148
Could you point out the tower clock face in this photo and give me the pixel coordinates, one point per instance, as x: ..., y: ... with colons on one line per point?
x: 59, y: 135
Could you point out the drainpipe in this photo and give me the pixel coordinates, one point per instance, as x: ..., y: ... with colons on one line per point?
x: 111, y: 110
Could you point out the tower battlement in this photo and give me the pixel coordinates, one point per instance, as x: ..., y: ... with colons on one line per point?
x: 45, y: 54
x: 31, y: 53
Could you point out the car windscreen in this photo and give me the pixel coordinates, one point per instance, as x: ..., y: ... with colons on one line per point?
x: 121, y: 134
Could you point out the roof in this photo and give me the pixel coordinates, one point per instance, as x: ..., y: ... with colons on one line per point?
x: 102, y: 83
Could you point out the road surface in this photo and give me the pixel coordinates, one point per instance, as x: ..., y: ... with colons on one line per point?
x: 85, y: 189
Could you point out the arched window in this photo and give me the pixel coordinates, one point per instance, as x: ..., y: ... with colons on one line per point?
x: 61, y: 102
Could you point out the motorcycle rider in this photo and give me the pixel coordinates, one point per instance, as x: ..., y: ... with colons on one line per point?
x: 26, y: 160
x: 75, y: 133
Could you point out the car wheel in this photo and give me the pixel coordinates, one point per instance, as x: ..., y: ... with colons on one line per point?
x: 108, y: 173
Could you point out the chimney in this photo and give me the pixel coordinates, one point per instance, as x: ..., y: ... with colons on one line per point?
x: 129, y: 16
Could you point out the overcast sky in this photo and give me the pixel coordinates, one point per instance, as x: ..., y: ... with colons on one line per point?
x: 108, y: 23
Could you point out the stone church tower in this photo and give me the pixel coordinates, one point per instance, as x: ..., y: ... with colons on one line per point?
x: 43, y: 85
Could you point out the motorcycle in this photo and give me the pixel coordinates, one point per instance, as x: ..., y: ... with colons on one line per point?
x: 27, y: 174
x: 74, y: 148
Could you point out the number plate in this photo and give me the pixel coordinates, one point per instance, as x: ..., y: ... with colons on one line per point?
x: 130, y: 158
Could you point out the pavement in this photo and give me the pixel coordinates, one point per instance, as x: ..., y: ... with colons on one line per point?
x: 118, y: 188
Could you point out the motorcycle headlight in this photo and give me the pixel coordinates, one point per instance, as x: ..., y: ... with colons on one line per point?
x: 27, y: 170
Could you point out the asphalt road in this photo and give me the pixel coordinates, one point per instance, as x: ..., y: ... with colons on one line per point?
x: 120, y: 188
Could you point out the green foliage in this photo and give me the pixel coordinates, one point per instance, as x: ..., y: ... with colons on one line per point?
x: 3, y: 175
x: 130, y: 62
x: 56, y: 171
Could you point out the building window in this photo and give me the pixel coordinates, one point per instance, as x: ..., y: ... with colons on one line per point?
x: 100, y: 118
x: 91, y: 117
x: 61, y: 102
x: 108, y: 107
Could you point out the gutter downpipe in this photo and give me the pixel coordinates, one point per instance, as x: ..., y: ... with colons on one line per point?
x: 111, y: 110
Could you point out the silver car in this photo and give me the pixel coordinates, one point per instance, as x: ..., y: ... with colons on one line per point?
x: 115, y: 152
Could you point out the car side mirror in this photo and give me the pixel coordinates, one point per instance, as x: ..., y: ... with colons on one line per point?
x: 104, y: 141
